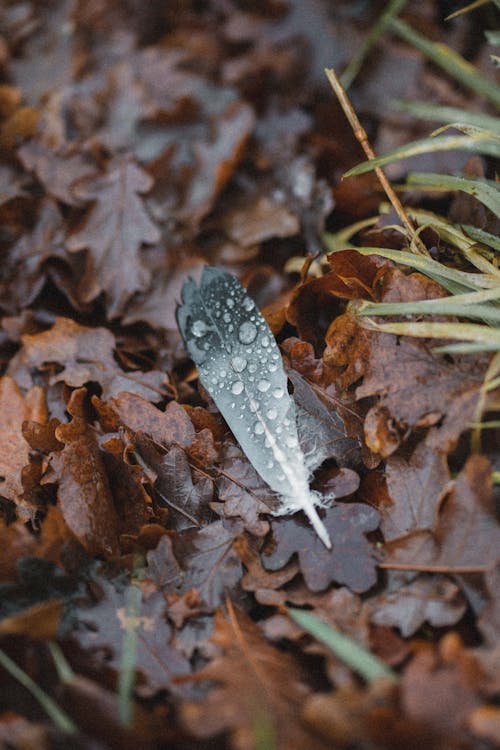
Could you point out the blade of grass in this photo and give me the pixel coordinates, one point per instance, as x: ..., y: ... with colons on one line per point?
x: 467, y: 9
x: 126, y: 676
x: 59, y: 717
x: 391, y: 11
x: 449, y: 61
x: 428, y: 307
x: 455, y: 331
x: 479, y: 143
x: 444, y: 114
x: 481, y: 236
x: 484, y: 192
x: 362, y: 138
x: 351, y: 653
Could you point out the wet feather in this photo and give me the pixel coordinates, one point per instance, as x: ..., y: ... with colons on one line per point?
x: 240, y: 365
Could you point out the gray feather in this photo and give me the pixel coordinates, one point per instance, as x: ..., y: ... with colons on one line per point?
x: 240, y: 365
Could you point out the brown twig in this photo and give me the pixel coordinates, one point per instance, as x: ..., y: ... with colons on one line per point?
x: 362, y: 138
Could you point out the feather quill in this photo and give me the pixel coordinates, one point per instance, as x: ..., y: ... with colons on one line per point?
x: 240, y: 365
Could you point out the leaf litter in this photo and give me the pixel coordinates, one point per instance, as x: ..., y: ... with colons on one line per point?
x: 149, y: 150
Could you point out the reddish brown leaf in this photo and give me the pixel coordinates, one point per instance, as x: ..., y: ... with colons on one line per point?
x: 113, y: 232
x: 258, y: 686
x: 168, y: 427
x: 351, y: 560
x: 466, y: 534
x: 14, y: 450
x: 87, y: 355
x: 83, y: 494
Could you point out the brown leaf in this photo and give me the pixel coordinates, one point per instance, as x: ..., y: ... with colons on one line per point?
x: 466, y: 534
x: 14, y: 450
x: 258, y: 687
x: 156, y: 659
x: 209, y: 563
x: 433, y: 599
x: 87, y: 355
x: 415, y: 387
x: 15, y: 542
x: 57, y: 171
x: 39, y: 621
x: 351, y: 560
x: 83, y: 494
x: 169, y: 427
x: 113, y: 232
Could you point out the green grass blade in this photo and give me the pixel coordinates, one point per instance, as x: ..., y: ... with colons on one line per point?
x: 477, y: 334
x: 351, y: 653
x: 493, y: 37
x: 59, y: 717
x: 467, y: 9
x: 488, y: 194
x: 437, y: 113
x: 392, y: 9
x: 479, y: 235
x: 126, y: 677
x: 479, y: 143
x: 449, y: 61
x: 469, y: 348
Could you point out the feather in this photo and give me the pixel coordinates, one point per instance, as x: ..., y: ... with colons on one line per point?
x: 240, y: 366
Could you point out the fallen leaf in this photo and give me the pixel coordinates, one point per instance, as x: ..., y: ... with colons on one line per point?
x: 169, y: 427
x: 113, y: 232
x: 14, y: 450
x: 87, y: 355
x: 259, y: 689
x: 83, y: 493
x: 103, y: 625
x: 407, y: 606
x: 351, y: 561
x: 57, y: 171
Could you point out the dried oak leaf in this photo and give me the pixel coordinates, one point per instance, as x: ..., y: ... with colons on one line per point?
x: 83, y: 494
x: 188, y: 503
x: 415, y: 387
x: 14, y: 450
x: 209, y: 563
x: 57, y: 171
x: 86, y: 354
x: 26, y: 265
x: 440, y: 687
x: 351, y: 561
x: 102, y: 627
x: 242, y: 491
x: 169, y: 427
x: 433, y: 599
x: 256, y: 686
x: 466, y: 533
x: 114, y: 231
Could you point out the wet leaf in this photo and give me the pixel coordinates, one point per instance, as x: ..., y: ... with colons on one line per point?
x: 351, y: 561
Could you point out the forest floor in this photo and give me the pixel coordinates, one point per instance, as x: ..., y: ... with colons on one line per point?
x: 148, y: 596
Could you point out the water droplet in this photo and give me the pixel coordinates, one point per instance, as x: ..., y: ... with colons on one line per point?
x: 237, y: 387
x: 278, y: 392
x: 199, y: 328
x: 265, y: 341
x: 230, y: 328
x: 292, y: 441
x: 248, y: 304
x: 272, y: 413
x: 279, y: 429
x: 226, y: 317
x: 273, y: 367
x: 286, y: 422
x: 230, y: 302
x: 238, y: 364
x: 223, y: 373
x: 263, y: 385
x: 253, y: 405
x: 252, y: 367
x: 258, y: 428
x: 270, y: 464
x: 247, y: 332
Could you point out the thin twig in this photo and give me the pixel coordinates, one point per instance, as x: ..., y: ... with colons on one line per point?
x: 362, y: 138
